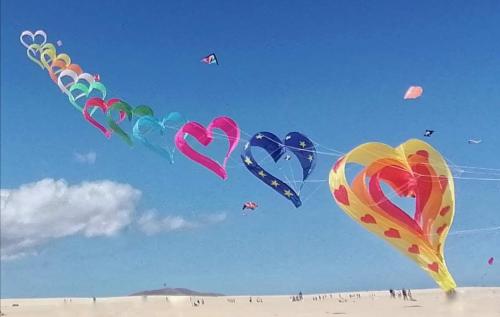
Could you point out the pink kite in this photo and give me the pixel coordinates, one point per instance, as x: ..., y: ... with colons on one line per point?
x: 490, y: 261
x: 204, y: 136
x: 413, y: 92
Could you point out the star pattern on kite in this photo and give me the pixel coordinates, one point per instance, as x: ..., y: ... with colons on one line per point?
x: 275, y: 183
x: 288, y: 193
x: 259, y: 136
x: 262, y: 174
x: 302, y: 144
x: 248, y: 161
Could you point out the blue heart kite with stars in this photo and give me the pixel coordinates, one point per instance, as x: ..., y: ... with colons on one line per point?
x: 295, y: 142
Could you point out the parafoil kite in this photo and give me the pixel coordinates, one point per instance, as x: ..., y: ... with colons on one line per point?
x: 295, y: 142
x: 413, y: 92
x: 205, y: 137
x: 491, y: 260
x: 413, y: 169
x: 210, y: 59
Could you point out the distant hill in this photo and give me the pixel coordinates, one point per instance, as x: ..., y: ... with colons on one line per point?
x: 174, y: 291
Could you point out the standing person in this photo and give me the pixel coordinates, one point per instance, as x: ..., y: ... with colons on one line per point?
x: 404, y: 294
x: 409, y: 295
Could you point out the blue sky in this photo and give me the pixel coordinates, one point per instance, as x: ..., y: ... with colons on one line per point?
x: 334, y: 70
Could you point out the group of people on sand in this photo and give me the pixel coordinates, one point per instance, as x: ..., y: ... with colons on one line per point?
x: 297, y: 298
x: 340, y: 299
x: 196, y: 302
x: 257, y: 300
x: 405, y: 293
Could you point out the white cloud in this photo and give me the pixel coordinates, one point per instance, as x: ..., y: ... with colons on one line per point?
x: 39, y: 212
x: 85, y: 158
x: 151, y: 223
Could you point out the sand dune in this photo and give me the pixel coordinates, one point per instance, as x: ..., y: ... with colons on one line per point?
x: 482, y: 302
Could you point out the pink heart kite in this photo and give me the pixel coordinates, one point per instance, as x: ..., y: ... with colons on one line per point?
x: 205, y: 137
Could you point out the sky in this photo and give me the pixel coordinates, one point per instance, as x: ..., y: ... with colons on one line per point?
x: 83, y: 215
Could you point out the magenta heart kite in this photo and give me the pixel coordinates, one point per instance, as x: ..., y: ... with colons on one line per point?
x: 204, y: 136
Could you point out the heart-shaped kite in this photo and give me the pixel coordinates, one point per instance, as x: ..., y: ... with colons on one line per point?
x: 34, y: 52
x: 413, y: 169
x: 147, y: 125
x: 29, y: 34
x: 104, y: 106
x: 34, y: 46
x: 295, y: 142
x: 204, y: 136
x: 81, y: 89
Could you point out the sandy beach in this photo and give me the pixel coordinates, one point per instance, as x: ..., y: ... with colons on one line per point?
x: 430, y: 303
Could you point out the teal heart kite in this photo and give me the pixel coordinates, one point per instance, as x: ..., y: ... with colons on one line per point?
x: 147, y: 125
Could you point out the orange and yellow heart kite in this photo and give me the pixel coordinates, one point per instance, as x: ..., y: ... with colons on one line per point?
x: 413, y: 169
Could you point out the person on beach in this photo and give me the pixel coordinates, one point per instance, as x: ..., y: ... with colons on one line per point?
x: 405, y: 297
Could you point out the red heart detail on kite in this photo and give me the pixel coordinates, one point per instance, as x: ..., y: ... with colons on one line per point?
x: 204, y: 136
x: 392, y: 233
x: 337, y: 164
x: 440, y: 229
x: 433, y: 267
x: 444, y: 211
x: 414, y: 249
x: 341, y: 195
x: 368, y: 219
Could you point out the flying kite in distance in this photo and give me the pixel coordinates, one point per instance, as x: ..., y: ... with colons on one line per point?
x: 491, y: 260
x: 428, y: 133
x: 59, y: 43
x: 472, y: 141
x: 97, y: 77
x: 210, y: 59
x: 250, y: 205
x: 413, y: 92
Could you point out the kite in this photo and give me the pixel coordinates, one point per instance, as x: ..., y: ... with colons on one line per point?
x: 210, y: 59
x: 413, y: 168
x: 59, y: 43
x: 413, y: 92
x: 491, y: 260
x: 472, y: 141
x: 97, y: 77
x: 205, y: 137
x: 249, y: 205
x: 148, y: 124
x: 428, y: 133
x: 295, y: 142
